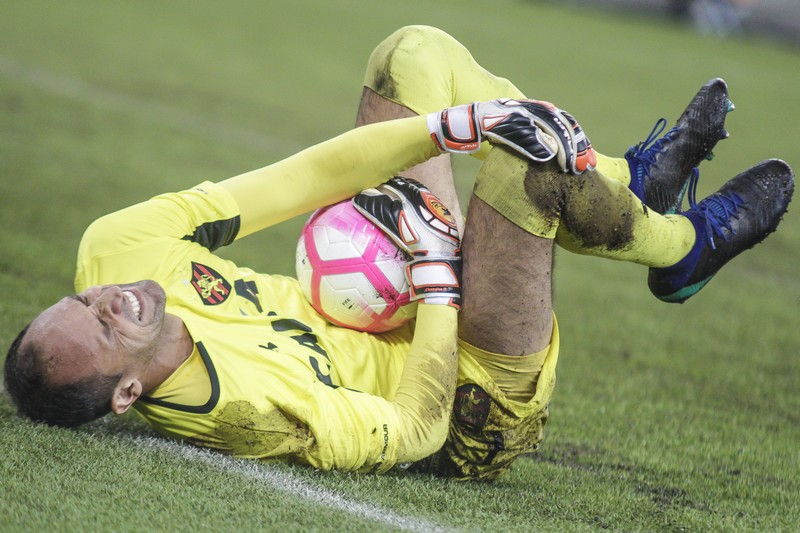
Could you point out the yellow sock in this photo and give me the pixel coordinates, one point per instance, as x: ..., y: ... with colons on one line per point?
x: 426, y: 70
x: 587, y: 214
x: 615, y: 168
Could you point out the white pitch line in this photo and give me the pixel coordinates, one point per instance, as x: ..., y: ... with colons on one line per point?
x: 287, y: 483
x: 154, y: 111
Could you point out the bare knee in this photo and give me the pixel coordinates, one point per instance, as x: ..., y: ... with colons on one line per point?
x: 418, y: 35
x: 406, y: 38
x: 411, y: 67
x: 507, y: 301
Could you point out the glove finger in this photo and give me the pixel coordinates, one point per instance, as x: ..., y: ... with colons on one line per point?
x: 423, y: 204
x: 547, y: 117
x: 385, y: 211
x: 585, y: 156
x: 532, y: 143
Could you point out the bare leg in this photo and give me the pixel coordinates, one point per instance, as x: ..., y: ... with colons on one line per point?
x: 518, y: 210
x: 507, y: 271
x: 436, y: 174
x: 508, y: 248
x: 419, y: 70
x: 507, y: 304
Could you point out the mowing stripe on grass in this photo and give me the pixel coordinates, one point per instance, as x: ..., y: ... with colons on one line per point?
x: 288, y: 483
x: 142, y: 108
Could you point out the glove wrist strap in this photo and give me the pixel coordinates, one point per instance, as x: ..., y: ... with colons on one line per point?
x: 435, y: 280
x: 454, y: 129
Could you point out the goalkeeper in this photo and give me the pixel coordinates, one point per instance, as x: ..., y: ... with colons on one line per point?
x: 238, y: 361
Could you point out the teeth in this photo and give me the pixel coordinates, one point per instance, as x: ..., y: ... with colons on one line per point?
x: 135, y: 307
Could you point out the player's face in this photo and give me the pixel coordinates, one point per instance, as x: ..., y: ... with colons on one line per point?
x: 111, y: 329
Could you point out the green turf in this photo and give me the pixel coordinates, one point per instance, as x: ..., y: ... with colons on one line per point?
x: 665, y: 417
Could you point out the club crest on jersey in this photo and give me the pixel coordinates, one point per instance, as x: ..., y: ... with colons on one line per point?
x: 471, y: 406
x: 209, y: 284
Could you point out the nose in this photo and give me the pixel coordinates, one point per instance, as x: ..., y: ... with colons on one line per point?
x: 110, y: 301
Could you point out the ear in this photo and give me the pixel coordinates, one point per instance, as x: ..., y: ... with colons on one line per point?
x: 128, y: 391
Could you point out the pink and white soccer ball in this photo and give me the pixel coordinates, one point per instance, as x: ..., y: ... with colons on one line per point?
x: 351, y: 272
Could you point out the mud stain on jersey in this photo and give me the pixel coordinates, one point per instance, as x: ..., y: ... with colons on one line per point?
x: 436, y: 407
x: 249, y: 432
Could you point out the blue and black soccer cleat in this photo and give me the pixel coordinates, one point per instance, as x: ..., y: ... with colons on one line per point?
x: 735, y: 218
x: 661, y: 167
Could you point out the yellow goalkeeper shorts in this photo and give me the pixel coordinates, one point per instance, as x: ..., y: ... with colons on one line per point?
x: 489, y: 430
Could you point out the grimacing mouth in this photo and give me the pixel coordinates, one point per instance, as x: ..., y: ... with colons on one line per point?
x: 136, y: 306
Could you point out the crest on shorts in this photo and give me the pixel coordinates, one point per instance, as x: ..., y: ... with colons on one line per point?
x: 209, y: 284
x: 471, y: 407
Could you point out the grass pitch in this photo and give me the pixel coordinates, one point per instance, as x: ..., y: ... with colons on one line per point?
x: 665, y: 417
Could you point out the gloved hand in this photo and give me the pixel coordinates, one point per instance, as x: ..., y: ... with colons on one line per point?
x: 423, y: 227
x: 536, y: 129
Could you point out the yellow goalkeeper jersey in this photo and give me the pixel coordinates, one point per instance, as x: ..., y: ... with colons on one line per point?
x: 268, y: 376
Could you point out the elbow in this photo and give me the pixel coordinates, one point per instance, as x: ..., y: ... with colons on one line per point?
x: 425, y: 439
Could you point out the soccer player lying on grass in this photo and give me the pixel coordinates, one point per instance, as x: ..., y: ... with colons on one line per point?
x: 237, y: 361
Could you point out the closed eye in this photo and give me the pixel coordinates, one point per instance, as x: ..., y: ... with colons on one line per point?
x: 107, y: 331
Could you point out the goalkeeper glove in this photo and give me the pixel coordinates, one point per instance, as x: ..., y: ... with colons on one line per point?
x: 536, y: 129
x: 417, y: 221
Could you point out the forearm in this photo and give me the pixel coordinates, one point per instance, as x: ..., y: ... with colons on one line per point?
x: 329, y: 172
x: 424, y: 398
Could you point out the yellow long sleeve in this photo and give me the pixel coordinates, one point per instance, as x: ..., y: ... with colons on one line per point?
x: 329, y: 172
x: 424, y: 398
